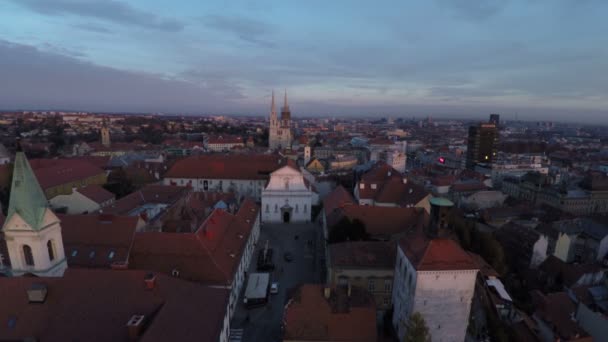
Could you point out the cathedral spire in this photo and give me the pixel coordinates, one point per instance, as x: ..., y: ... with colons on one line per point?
x: 285, y: 105
x: 273, y: 111
x: 27, y: 198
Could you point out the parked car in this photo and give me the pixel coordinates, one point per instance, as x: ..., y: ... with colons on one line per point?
x: 274, y: 288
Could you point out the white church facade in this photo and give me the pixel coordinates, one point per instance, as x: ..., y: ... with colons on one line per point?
x: 287, y: 198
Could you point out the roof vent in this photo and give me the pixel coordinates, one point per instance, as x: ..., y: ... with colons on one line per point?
x: 37, y: 293
x: 135, y: 326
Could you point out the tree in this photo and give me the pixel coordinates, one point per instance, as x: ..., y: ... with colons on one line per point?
x: 119, y: 184
x: 347, y: 230
x: 417, y: 331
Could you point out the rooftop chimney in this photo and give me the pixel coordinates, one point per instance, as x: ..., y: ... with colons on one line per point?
x: 150, y: 281
x: 135, y: 326
x: 37, y: 293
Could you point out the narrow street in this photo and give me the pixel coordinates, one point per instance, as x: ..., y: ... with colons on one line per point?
x: 264, y: 323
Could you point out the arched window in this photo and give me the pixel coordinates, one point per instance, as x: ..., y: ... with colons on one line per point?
x: 51, y: 249
x: 267, y: 208
x: 28, y: 256
x: 305, y: 208
x: 276, y: 208
x: 297, y: 208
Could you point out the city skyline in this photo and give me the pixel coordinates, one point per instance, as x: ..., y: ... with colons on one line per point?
x: 441, y: 58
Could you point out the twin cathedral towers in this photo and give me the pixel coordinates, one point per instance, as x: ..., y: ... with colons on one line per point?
x: 280, y: 135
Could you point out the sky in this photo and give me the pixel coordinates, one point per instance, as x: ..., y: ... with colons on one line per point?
x: 534, y: 59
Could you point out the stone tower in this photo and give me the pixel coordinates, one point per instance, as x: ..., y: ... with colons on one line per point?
x: 32, y: 231
x: 105, y: 134
x: 306, y: 155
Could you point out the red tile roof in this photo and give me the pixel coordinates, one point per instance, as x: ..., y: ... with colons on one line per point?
x: 157, y: 194
x: 96, y: 193
x: 336, y: 199
x: 225, y: 139
x: 99, y: 161
x: 54, y: 172
x: 88, y: 240
x: 309, y: 316
x: 436, y: 254
x: 400, y: 193
x: 557, y: 310
x: 95, y: 305
x: 209, y: 255
x: 381, y: 221
x: 363, y: 254
x: 214, y: 166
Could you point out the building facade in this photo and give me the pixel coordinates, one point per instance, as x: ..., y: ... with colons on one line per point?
x: 287, y: 197
x: 279, y: 133
x: 482, y: 144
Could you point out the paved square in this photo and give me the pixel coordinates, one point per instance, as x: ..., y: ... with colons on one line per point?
x: 264, y: 323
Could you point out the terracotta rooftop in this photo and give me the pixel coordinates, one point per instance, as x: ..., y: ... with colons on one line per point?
x: 309, y: 316
x: 53, y: 172
x: 436, y: 254
x: 97, y: 240
x: 338, y: 198
x: 363, y: 254
x: 209, y: 255
x: 96, y: 193
x: 213, y: 166
x: 381, y: 221
x: 225, y: 139
x: 95, y: 305
x: 150, y: 194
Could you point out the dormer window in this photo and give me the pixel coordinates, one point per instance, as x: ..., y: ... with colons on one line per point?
x: 373, y: 186
x: 362, y: 186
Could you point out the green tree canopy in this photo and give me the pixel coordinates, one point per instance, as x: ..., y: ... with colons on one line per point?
x: 417, y: 331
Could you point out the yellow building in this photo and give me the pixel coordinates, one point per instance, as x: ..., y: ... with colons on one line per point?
x: 315, y: 165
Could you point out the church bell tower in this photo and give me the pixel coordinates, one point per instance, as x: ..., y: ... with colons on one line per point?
x: 32, y: 231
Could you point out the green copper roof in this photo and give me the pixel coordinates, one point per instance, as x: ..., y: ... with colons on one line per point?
x: 27, y: 198
x: 441, y: 202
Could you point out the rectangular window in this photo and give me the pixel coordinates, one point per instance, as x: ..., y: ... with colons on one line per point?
x: 371, y: 285
x: 387, y: 285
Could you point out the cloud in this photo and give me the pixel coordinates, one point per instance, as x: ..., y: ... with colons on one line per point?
x: 476, y: 10
x: 92, y: 28
x: 109, y: 10
x: 40, y: 80
x: 249, y: 30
